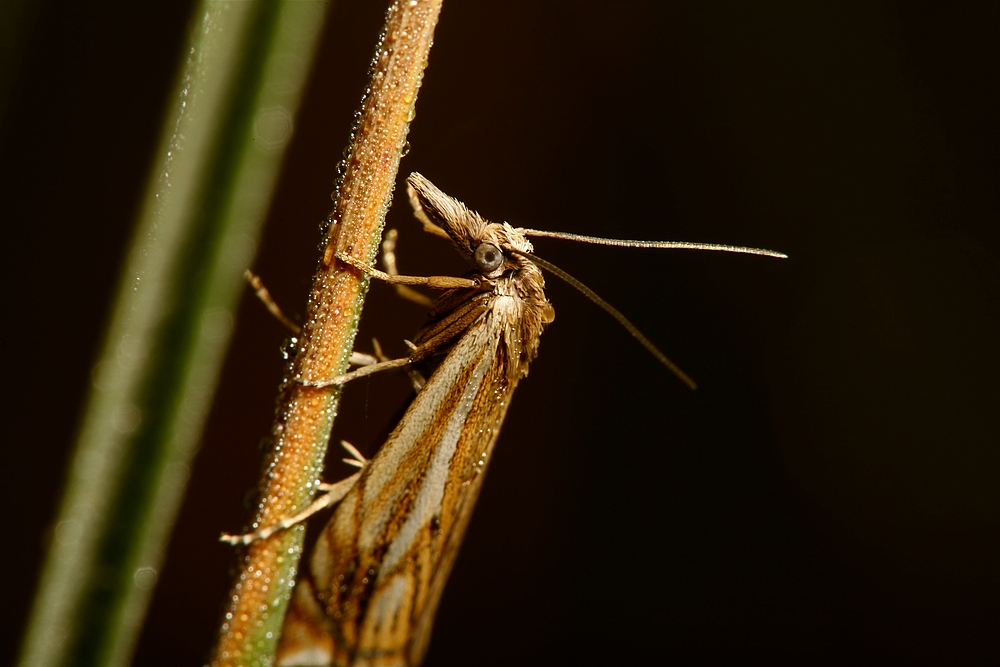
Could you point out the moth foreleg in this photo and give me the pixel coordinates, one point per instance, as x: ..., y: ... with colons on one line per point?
x: 389, y: 260
x: 433, y: 282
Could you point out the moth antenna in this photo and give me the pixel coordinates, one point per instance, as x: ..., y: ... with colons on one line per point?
x: 611, y: 310
x: 624, y: 243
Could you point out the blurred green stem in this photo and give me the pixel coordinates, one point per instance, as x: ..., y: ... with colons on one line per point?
x: 227, y: 124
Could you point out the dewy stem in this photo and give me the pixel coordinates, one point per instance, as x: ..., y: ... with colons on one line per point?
x: 267, y: 568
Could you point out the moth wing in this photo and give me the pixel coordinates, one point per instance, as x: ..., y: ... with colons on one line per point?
x: 490, y: 418
x: 304, y: 639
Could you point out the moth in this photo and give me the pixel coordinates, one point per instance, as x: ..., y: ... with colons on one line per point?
x: 379, y: 568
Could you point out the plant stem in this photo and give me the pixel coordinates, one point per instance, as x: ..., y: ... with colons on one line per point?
x: 267, y: 568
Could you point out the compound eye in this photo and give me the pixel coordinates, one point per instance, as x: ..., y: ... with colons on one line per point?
x: 488, y: 257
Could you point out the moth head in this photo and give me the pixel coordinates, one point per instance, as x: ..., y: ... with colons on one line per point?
x: 496, y: 248
x: 487, y: 245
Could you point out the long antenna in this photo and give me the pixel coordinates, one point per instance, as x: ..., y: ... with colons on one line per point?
x: 611, y: 310
x: 684, y: 245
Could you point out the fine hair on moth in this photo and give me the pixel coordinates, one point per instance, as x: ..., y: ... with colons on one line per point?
x: 377, y: 571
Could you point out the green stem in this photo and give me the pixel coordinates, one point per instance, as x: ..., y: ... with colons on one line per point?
x: 228, y: 122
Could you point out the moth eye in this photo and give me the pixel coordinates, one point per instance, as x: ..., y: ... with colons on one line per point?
x: 488, y: 257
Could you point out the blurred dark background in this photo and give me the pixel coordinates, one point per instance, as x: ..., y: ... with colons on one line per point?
x: 829, y: 493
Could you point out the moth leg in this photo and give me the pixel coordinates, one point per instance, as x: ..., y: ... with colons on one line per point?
x: 265, y: 297
x: 419, y: 354
x: 356, y: 358
x: 355, y: 374
x: 334, y: 493
x: 416, y: 378
x: 389, y: 260
x: 435, y: 338
x: 357, y: 459
x: 362, y: 359
x: 433, y: 282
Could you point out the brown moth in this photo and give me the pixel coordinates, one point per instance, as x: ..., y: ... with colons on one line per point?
x: 379, y: 568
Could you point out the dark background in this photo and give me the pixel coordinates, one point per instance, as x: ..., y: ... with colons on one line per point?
x: 831, y: 489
